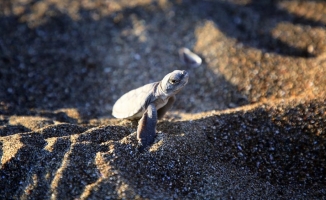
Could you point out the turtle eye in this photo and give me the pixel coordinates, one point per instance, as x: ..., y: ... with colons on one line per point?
x: 173, y: 81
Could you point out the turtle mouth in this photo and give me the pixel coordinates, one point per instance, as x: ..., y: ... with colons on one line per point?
x: 184, y: 73
x: 185, y: 76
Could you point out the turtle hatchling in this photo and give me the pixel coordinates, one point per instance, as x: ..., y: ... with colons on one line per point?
x: 149, y: 103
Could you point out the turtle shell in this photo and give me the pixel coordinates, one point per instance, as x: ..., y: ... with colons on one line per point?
x: 132, y: 104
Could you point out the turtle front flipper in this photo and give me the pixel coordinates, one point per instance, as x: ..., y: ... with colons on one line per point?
x: 161, y: 112
x: 146, y: 130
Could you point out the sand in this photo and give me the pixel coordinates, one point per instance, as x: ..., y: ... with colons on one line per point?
x: 250, y: 124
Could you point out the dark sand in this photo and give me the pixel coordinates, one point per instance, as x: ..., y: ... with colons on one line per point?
x: 250, y: 124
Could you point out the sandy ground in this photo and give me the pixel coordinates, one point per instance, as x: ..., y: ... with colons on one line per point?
x: 250, y: 124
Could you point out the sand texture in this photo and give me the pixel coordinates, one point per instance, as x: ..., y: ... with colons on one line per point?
x: 250, y: 124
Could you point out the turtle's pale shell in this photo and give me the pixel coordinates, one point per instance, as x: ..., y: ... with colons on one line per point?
x: 132, y: 104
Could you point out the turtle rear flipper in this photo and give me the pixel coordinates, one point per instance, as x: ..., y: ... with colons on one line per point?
x: 146, y: 130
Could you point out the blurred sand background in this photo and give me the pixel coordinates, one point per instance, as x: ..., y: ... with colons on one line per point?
x: 250, y: 124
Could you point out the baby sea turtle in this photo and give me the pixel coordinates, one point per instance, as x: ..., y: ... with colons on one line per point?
x: 149, y: 103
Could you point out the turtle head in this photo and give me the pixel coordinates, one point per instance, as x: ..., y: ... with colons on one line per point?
x: 173, y: 82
